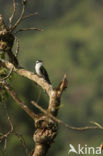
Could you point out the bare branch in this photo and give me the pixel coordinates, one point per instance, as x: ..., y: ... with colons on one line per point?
x: 17, y: 47
x: 21, y: 104
x: 55, y: 96
x: 30, y: 15
x: 27, y: 29
x: 101, y: 146
x: 9, y: 74
x: 38, y: 98
x: 5, y: 144
x: 5, y: 136
x: 13, y: 13
x: 30, y: 75
x: 11, y: 132
x: 11, y: 70
x: 11, y: 125
x: 40, y: 150
x: 21, y: 16
x: 62, y: 86
x: 96, y: 124
x: 21, y: 139
x: 9, y: 119
x: 2, y: 25
x: 61, y: 122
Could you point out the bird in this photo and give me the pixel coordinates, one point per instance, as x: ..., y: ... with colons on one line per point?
x: 41, y: 71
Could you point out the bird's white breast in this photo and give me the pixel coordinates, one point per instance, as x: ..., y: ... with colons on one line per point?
x: 37, y: 68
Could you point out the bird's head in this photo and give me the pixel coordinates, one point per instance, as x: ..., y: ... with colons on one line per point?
x: 39, y: 62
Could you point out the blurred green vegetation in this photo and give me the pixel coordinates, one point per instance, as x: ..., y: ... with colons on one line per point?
x: 71, y: 43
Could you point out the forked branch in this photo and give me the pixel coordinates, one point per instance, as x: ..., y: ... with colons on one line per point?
x: 21, y: 15
x: 54, y: 95
x: 13, y: 13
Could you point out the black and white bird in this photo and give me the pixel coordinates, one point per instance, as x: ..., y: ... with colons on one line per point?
x: 41, y: 71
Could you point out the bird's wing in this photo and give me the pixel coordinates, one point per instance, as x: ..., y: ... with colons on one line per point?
x: 45, y: 74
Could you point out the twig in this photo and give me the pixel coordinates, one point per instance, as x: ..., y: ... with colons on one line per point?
x: 21, y: 139
x: 28, y: 29
x: 31, y: 152
x: 11, y: 132
x: 13, y: 13
x: 9, y: 74
x: 2, y: 25
x: 96, y: 124
x: 21, y: 104
x: 61, y: 122
x: 16, y: 54
x: 5, y: 136
x: 38, y: 98
x: 9, y: 119
x: 17, y: 47
x: 5, y: 144
x: 32, y: 14
x: 20, y: 18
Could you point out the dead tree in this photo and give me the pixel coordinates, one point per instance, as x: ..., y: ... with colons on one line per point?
x: 46, y: 127
x: 46, y: 123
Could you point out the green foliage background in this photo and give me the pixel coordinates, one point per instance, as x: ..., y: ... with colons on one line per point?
x: 71, y: 43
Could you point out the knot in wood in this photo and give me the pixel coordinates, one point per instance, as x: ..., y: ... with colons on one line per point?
x: 46, y: 130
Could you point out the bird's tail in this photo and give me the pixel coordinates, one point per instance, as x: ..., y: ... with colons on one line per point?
x: 47, y: 79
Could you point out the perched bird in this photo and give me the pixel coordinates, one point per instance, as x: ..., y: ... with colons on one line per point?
x: 41, y: 71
